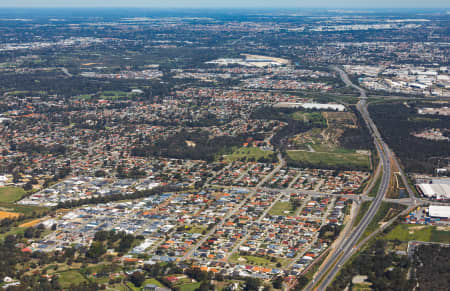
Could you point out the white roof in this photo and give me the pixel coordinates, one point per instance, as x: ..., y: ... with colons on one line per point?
x: 439, y: 211
x: 442, y: 190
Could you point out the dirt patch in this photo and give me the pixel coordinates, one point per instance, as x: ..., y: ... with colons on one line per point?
x: 31, y: 223
x: 5, y: 214
x: 413, y: 229
x: 443, y: 228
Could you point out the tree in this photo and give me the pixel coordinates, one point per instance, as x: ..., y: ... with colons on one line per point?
x: 278, y: 282
x: 137, y: 278
x: 96, y: 250
x: 252, y: 284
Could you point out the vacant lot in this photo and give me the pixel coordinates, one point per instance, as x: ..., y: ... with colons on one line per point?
x: 281, y: 208
x: 25, y: 209
x: 31, y: 223
x: 329, y: 159
x: 257, y: 261
x: 189, y: 287
x: 5, y: 214
x: 71, y: 277
x: 427, y: 233
x: 11, y: 194
x: 250, y: 154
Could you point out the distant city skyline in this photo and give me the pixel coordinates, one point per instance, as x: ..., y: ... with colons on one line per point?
x: 347, y: 4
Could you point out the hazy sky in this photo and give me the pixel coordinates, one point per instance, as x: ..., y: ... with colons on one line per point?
x: 230, y: 3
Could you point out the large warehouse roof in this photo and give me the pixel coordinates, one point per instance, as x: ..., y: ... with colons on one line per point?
x: 439, y: 211
x: 439, y: 190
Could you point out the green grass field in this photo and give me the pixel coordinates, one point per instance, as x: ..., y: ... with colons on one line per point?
x: 373, y: 192
x: 197, y: 229
x: 330, y: 159
x: 112, y: 95
x: 257, y: 261
x: 189, y: 287
x: 11, y: 194
x: 153, y: 281
x: 250, y: 153
x: 132, y: 287
x: 385, y: 212
x: 280, y: 207
x: 314, y: 117
x: 427, y: 233
x: 70, y: 277
x: 25, y: 209
x: 362, y: 211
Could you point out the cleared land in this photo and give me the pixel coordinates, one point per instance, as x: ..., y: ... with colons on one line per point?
x: 11, y: 194
x: 5, y: 214
x: 71, y: 277
x: 257, y: 261
x: 25, y: 209
x: 249, y: 154
x: 362, y: 211
x: 330, y: 159
x: 385, y: 212
x: 427, y: 233
x: 189, y: 287
x: 31, y: 223
x: 282, y: 208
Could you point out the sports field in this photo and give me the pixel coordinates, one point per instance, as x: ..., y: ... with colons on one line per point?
x: 11, y: 194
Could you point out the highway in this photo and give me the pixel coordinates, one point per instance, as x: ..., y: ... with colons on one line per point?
x: 347, y: 246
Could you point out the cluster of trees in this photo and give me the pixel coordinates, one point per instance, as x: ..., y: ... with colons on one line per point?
x: 293, y: 126
x: 133, y: 173
x: 13, y: 260
x: 329, y: 231
x: 34, y: 232
x: 385, y: 270
x: 431, y: 267
x: 202, y: 147
x: 357, y: 138
x: 30, y: 147
x: 397, y: 123
x: 120, y: 241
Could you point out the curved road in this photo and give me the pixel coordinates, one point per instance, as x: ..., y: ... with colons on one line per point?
x: 347, y: 247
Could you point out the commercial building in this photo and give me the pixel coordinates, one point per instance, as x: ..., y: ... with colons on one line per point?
x: 438, y: 211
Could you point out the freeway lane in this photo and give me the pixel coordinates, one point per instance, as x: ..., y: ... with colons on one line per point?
x: 346, y: 248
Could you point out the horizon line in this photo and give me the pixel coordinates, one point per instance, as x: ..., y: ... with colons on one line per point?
x: 226, y: 7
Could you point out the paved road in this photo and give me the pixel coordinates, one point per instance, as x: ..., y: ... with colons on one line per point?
x: 66, y: 72
x: 345, y: 249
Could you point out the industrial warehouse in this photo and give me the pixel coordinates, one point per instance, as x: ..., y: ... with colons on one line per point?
x: 437, y: 188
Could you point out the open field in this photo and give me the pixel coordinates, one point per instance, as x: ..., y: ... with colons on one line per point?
x: 25, y: 209
x: 197, y: 229
x: 427, y: 233
x: 250, y: 153
x: 374, y: 190
x: 362, y: 211
x: 386, y: 211
x: 257, y: 261
x: 5, y: 214
x: 189, y: 287
x: 11, y: 194
x: 281, y: 208
x: 329, y: 159
x: 31, y: 223
x: 113, y: 95
x: 312, y: 117
x: 71, y: 277
x: 153, y: 281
